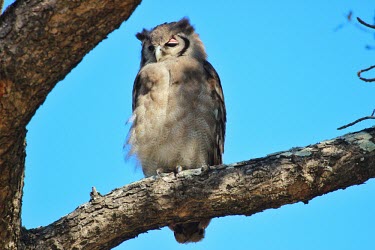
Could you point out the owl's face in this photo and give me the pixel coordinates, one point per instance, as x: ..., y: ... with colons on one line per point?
x: 169, y: 41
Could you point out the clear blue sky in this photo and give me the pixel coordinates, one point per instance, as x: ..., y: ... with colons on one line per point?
x: 289, y: 80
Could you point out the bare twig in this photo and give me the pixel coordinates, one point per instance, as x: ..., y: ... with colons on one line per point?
x: 363, y: 78
x: 359, y: 120
x: 94, y: 194
x: 369, y: 68
x: 365, y: 24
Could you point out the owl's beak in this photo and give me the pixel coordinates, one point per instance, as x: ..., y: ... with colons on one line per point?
x: 158, y: 53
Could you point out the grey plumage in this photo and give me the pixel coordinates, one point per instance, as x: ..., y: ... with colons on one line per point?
x: 178, y: 108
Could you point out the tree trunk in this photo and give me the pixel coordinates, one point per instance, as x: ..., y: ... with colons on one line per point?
x: 12, y: 162
x: 41, y: 41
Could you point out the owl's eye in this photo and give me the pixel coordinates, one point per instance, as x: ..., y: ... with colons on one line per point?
x: 172, y: 42
x: 151, y: 48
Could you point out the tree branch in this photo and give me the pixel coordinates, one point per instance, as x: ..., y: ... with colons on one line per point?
x: 299, y: 174
x: 356, y: 121
x: 365, y: 24
x: 359, y: 73
x: 371, y: 67
x: 41, y: 41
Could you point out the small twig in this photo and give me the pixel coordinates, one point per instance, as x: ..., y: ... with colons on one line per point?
x: 365, y: 24
x: 364, y: 70
x: 94, y: 194
x: 369, y: 68
x: 359, y: 120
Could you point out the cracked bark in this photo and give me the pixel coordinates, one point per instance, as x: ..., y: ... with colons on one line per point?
x: 40, y: 42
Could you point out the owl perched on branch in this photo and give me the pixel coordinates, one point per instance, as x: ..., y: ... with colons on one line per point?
x: 178, y: 109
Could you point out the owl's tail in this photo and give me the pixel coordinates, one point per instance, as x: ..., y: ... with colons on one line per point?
x: 190, y: 231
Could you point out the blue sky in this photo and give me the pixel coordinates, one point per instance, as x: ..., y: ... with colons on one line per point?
x: 288, y: 79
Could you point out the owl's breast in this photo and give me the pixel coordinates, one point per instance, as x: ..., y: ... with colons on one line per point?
x: 173, y: 118
x: 152, y: 100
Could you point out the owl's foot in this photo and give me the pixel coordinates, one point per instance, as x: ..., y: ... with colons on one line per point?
x: 160, y: 173
x: 179, y: 168
x: 205, y: 168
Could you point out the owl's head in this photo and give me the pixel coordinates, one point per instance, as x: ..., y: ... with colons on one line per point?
x: 170, y: 40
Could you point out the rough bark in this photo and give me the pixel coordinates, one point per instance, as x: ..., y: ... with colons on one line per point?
x: 41, y: 41
x: 12, y: 162
x: 242, y: 188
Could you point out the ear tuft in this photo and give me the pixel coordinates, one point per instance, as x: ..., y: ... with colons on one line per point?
x: 184, y: 26
x: 142, y: 35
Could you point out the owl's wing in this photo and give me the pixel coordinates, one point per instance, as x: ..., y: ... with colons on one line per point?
x: 217, y: 95
x: 136, y: 89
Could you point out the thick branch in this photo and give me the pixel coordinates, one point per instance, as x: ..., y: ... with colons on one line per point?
x: 41, y: 41
x: 12, y: 166
x: 242, y: 188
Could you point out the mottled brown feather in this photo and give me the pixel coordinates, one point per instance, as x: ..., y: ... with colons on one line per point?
x: 178, y: 109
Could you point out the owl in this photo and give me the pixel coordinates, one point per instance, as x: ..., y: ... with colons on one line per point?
x: 178, y: 109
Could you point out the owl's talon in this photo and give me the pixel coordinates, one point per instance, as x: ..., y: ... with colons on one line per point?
x: 179, y: 169
x: 160, y: 173
x: 205, y: 167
